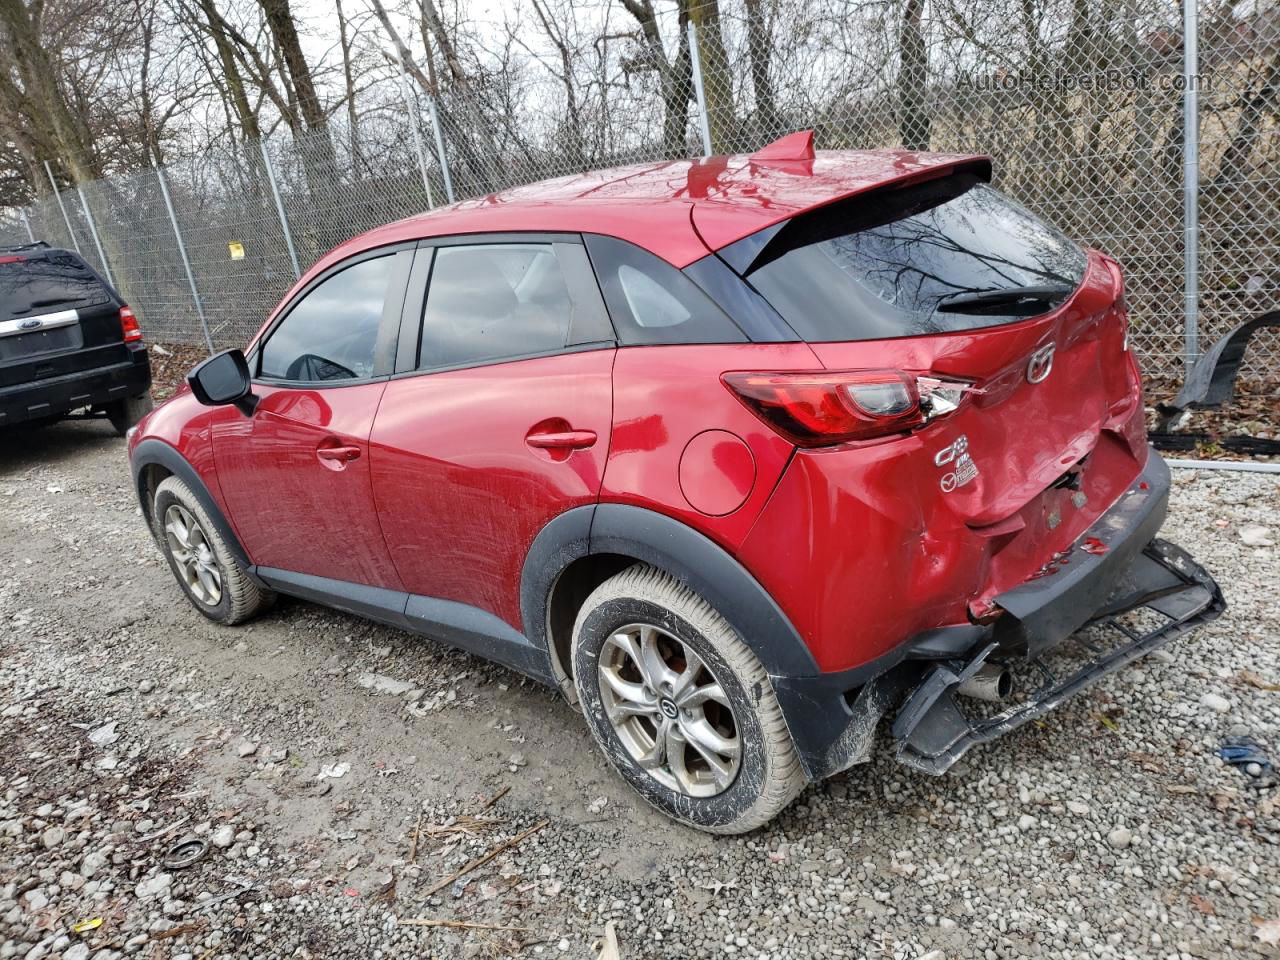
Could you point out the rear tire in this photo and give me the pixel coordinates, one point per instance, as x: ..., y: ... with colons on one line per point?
x: 123, y: 414
x: 209, y: 574
x: 680, y: 705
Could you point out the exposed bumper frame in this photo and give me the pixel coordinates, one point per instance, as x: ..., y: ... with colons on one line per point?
x: 933, y: 732
x: 1116, y: 566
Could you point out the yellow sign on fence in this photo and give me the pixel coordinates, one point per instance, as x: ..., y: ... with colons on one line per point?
x: 237, y: 250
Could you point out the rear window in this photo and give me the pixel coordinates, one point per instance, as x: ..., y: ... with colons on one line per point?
x: 46, y: 282
x: 953, y: 254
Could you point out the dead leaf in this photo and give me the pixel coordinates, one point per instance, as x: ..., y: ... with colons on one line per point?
x: 1203, y: 905
x: 1268, y: 931
x: 1253, y: 680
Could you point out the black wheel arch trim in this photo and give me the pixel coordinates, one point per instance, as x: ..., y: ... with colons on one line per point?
x: 158, y: 453
x: 689, y: 556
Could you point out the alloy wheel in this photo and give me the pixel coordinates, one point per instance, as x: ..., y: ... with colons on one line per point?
x: 669, y: 711
x: 193, y: 554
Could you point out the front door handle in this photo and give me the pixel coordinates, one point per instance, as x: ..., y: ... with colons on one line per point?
x: 340, y: 454
x: 562, y: 440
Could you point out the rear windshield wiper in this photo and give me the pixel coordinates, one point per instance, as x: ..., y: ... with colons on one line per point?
x: 1018, y: 297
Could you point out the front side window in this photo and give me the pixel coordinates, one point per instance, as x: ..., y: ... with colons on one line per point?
x: 494, y: 301
x: 950, y: 255
x: 331, y: 332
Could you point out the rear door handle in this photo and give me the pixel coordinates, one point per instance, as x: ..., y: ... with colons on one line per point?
x: 562, y: 440
x: 342, y: 454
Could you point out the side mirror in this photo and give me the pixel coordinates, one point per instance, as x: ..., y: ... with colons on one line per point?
x: 224, y: 378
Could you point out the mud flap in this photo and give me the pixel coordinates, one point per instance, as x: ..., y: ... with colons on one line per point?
x: 933, y: 731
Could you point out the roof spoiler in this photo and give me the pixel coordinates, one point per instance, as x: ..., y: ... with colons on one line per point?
x: 18, y: 248
x: 792, y: 147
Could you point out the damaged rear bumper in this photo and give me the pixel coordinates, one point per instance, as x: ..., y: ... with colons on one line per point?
x: 1094, y: 594
x: 933, y: 731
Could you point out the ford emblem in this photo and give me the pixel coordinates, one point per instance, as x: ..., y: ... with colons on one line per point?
x: 31, y: 323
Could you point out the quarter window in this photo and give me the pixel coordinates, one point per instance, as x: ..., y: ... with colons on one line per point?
x: 494, y: 301
x: 651, y: 301
x: 331, y: 333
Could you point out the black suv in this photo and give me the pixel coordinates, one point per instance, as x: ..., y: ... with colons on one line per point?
x: 67, y: 342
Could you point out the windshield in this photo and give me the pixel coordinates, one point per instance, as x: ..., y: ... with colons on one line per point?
x: 926, y: 259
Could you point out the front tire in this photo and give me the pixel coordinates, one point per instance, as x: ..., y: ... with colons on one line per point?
x: 209, y: 574
x: 681, y: 706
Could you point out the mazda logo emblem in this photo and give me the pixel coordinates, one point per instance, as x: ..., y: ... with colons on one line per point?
x: 1040, y: 364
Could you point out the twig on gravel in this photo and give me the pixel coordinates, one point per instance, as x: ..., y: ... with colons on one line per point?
x: 180, y: 930
x: 166, y: 831
x: 481, y: 861
x: 458, y: 924
x: 496, y: 797
x: 413, y: 847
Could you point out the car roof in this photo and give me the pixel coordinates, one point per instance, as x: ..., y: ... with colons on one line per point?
x: 680, y: 210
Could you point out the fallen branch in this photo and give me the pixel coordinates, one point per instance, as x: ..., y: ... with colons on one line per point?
x: 458, y: 924
x: 179, y: 930
x: 413, y: 847
x: 496, y: 797
x: 481, y: 861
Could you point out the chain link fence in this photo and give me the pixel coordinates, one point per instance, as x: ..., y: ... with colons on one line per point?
x: 1081, y: 104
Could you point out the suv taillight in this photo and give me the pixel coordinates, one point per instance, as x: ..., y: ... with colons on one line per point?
x: 821, y: 408
x: 129, y: 326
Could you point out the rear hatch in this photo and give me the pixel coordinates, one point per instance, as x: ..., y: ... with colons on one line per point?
x: 57, y: 316
x: 1010, y: 340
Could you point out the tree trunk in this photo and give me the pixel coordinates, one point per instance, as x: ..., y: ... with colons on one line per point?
x: 768, y: 123
x: 1249, y: 125
x: 284, y: 30
x: 231, y: 75
x: 348, y: 79
x: 717, y: 82
x: 675, y: 77
x: 44, y: 106
x: 913, y: 74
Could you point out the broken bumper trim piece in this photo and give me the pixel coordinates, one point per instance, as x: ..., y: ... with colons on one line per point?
x: 933, y: 732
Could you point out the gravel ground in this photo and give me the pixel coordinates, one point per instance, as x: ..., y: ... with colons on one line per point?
x: 343, y: 773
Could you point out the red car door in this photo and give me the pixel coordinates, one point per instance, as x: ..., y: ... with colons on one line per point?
x: 295, y: 475
x: 505, y: 424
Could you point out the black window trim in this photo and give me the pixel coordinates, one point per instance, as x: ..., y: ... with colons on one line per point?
x: 697, y: 284
x: 388, y: 324
x: 419, y: 285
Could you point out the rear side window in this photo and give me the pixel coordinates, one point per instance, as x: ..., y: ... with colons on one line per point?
x: 950, y: 255
x: 42, y: 282
x: 494, y: 301
x: 331, y: 332
x: 651, y: 302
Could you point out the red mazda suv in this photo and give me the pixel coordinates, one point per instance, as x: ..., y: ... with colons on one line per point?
x: 745, y: 454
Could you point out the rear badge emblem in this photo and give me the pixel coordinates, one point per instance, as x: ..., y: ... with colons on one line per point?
x: 1040, y: 364
x: 31, y: 323
x: 963, y: 469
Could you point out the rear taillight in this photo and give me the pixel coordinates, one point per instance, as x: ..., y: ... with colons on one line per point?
x: 816, y: 409
x: 129, y: 326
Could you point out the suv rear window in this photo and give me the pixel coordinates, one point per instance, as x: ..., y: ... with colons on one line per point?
x: 45, y: 281
x: 952, y: 254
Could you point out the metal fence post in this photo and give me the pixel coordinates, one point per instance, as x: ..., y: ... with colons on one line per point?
x: 284, y: 220
x: 26, y: 222
x: 61, y: 206
x: 444, y: 160
x: 182, y: 252
x: 93, y: 231
x: 1191, y: 183
x: 411, y: 108
x: 704, y: 125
